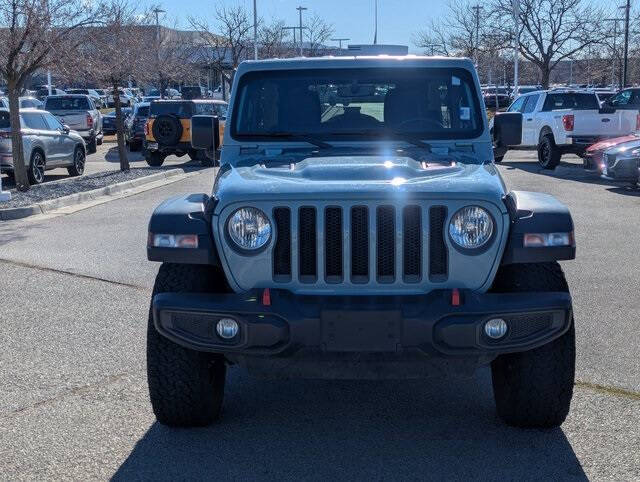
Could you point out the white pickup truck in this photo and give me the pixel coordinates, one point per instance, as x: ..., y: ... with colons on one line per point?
x: 557, y: 122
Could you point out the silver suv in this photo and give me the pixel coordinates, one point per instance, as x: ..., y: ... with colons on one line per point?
x: 358, y: 228
x: 47, y: 144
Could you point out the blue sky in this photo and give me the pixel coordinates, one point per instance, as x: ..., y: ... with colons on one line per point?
x: 397, y: 19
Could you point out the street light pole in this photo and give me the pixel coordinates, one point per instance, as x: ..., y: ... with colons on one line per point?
x: 627, y: 7
x: 255, y: 31
x: 375, y: 31
x: 615, y: 36
x: 158, y: 11
x: 477, y: 9
x: 516, y: 52
x: 300, y: 10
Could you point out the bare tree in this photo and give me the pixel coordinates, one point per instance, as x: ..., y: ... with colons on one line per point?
x: 228, y: 41
x: 318, y: 33
x: 170, y: 60
x: 119, y: 52
x: 553, y: 30
x: 32, y: 33
x: 273, y: 40
x: 459, y: 32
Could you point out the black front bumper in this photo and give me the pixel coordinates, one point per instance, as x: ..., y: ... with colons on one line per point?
x: 333, y: 328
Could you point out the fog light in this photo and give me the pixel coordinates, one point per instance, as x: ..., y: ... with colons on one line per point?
x: 495, y: 328
x: 227, y: 328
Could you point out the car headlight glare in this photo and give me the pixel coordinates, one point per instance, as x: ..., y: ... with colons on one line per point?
x: 471, y: 227
x: 249, y: 228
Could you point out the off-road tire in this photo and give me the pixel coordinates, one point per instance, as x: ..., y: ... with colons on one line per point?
x: 167, y: 129
x: 186, y: 387
x: 154, y: 159
x: 533, y: 389
x: 548, y: 153
x: 79, y: 160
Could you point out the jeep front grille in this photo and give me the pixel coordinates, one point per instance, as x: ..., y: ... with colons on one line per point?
x: 383, y: 243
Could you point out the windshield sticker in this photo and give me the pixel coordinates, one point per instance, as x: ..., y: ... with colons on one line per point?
x: 465, y: 113
x: 455, y: 80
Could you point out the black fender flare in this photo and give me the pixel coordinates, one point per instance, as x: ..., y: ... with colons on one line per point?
x: 534, y: 212
x: 187, y: 214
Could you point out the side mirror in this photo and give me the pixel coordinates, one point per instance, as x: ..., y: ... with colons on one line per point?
x: 205, y: 132
x: 606, y: 108
x: 507, y: 131
x: 65, y: 128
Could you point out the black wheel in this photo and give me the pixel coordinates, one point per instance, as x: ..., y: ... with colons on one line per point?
x: 154, y: 159
x: 99, y: 141
x: 91, y: 146
x: 534, y: 388
x: 37, y: 166
x: 498, y: 159
x: 186, y: 387
x: 79, y: 159
x: 548, y: 153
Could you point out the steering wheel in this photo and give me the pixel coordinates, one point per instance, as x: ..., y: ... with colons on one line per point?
x: 422, y: 120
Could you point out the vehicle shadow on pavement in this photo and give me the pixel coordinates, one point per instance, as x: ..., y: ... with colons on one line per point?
x: 323, y: 430
x: 571, y: 172
x: 112, y: 155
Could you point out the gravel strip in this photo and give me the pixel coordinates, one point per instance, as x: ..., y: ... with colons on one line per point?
x: 65, y: 187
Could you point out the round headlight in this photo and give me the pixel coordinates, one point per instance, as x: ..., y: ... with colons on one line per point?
x: 471, y: 227
x: 249, y: 228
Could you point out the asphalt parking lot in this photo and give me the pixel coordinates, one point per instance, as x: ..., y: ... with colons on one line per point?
x: 75, y: 293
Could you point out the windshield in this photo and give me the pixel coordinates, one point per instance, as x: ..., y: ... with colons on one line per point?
x: 426, y: 103
x: 180, y: 109
x: 67, y: 103
x: 571, y: 100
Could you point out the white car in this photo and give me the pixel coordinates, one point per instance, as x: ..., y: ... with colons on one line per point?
x: 125, y: 100
x: 562, y: 121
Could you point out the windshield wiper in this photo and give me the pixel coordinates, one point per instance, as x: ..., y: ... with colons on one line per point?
x: 410, y: 138
x: 291, y: 137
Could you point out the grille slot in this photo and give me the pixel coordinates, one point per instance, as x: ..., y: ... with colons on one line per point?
x: 438, y: 256
x: 333, y: 244
x: 385, y: 243
x: 412, y: 244
x: 359, y: 244
x: 308, y: 250
x: 282, y: 248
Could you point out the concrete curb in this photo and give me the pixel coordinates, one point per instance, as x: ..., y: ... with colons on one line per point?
x: 45, y: 207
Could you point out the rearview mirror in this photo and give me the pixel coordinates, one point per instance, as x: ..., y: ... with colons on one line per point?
x: 507, y: 131
x: 205, y: 132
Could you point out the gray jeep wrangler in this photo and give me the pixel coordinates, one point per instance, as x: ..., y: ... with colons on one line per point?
x: 358, y: 228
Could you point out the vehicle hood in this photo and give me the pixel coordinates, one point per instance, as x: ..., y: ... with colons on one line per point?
x: 358, y: 177
x: 607, y: 143
x: 624, y: 147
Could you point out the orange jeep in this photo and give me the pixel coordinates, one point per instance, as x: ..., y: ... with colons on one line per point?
x: 168, y: 129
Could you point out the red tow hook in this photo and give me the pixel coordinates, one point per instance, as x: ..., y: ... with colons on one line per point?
x: 455, y: 297
x: 266, y: 297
